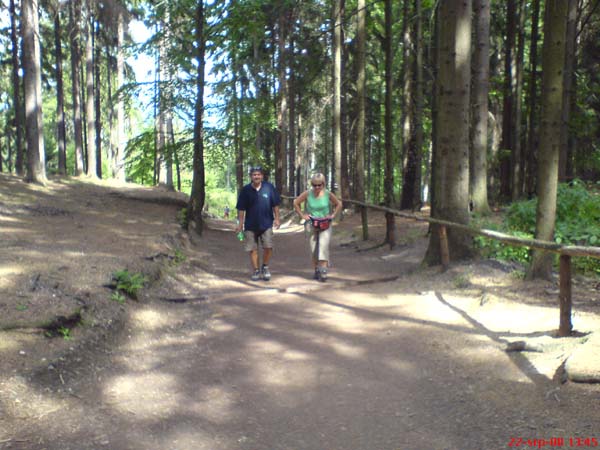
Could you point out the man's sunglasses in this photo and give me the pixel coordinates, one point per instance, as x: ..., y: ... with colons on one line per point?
x: 317, y: 185
x: 256, y: 169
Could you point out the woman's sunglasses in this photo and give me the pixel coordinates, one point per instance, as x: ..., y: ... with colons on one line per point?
x: 317, y: 185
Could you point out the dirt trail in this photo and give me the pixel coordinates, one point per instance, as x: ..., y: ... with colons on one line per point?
x: 385, y: 356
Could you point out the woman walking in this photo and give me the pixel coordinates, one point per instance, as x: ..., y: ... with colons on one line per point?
x: 318, y: 216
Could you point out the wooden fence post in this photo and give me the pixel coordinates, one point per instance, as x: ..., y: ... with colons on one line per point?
x: 565, y: 300
x: 390, y: 225
x: 444, y: 252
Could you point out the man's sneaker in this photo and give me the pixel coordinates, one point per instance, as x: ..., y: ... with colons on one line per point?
x: 256, y: 275
x: 317, y: 274
x: 323, y: 274
x: 265, y: 273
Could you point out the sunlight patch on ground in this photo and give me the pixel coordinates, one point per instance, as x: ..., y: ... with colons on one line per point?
x: 340, y: 320
x: 195, y: 438
x: 347, y: 350
x: 10, y: 219
x: 296, y: 355
x: 22, y: 400
x: 21, y: 231
x: 403, y: 367
x: 286, y: 375
x: 290, y: 228
x: 10, y: 346
x: 150, y: 319
x: 489, y: 282
x: 430, y: 306
x: 143, y: 394
x: 6, y: 275
x: 221, y: 326
x: 215, y: 404
x: 266, y: 346
x: 517, y: 318
x: 349, y: 325
x: 74, y: 254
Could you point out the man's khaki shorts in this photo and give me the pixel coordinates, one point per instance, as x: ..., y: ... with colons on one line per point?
x: 254, y: 238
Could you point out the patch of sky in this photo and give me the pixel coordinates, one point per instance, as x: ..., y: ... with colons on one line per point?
x: 143, y: 63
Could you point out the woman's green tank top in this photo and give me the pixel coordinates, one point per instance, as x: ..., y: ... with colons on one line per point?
x: 317, y: 207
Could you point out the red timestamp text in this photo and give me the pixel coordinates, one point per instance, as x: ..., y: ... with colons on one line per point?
x: 554, y: 442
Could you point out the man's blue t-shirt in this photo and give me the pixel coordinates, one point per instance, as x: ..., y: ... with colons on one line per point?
x: 258, y: 206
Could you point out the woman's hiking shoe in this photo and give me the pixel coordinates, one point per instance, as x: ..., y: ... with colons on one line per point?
x: 317, y: 274
x: 266, y: 274
x: 256, y: 275
x: 323, y: 274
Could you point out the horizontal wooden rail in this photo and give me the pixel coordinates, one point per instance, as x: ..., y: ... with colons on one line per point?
x: 565, y: 252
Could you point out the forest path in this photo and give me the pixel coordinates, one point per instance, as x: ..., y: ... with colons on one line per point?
x: 211, y: 360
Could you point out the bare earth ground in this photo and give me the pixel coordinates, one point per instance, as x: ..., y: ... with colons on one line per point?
x: 385, y: 355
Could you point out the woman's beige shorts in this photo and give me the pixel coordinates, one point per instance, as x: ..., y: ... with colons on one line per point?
x: 324, y: 239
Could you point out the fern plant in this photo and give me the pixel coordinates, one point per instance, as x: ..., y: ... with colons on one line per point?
x: 129, y: 283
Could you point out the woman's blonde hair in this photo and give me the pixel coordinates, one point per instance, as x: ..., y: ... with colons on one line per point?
x: 318, y: 177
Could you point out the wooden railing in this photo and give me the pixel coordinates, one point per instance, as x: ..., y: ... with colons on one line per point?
x: 566, y: 252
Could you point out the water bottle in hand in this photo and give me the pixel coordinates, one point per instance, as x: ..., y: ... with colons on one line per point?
x: 240, y: 235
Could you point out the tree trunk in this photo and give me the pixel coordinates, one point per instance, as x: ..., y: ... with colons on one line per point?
x: 390, y: 237
x: 565, y: 160
x: 479, y: 108
x: 74, y: 31
x: 417, y: 134
x: 435, y: 119
x: 338, y: 11
x: 345, y: 164
x: 89, y: 94
x: 10, y: 149
x: 159, y: 118
x: 553, y: 55
x: 97, y: 101
x: 411, y: 186
x: 530, y: 157
x: 119, y: 160
x: 452, y: 172
x: 361, y: 85
x: 198, y: 194
x: 238, y: 148
x: 508, y: 122
x: 292, y: 136
x: 516, y: 155
x: 16, y: 90
x: 171, y: 141
x: 32, y: 78
x: 282, y: 112
x: 60, y: 97
x: 406, y: 95
x: 112, y: 134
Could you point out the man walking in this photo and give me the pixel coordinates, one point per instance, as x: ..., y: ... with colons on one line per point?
x: 258, y: 212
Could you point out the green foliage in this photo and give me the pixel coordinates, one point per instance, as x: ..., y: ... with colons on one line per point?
x: 491, y: 248
x: 461, y: 281
x: 518, y: 274
x: 128, y: 283
x: 182, y: 218
x: 140, y: 158
x: 179, y: 256
x: 65, y: 332
x: 118, y: 297
x: 577, y: 223
x: 217, y: 199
